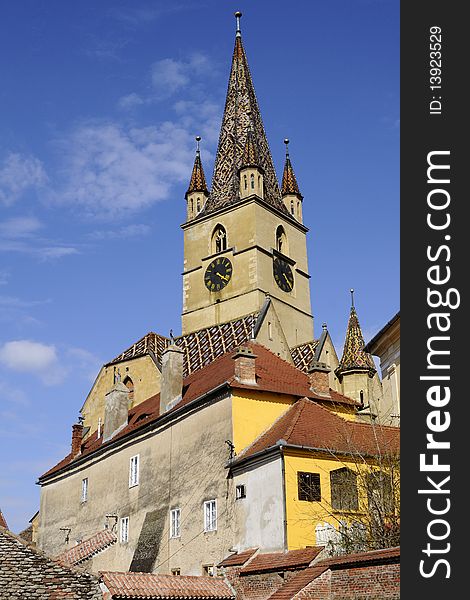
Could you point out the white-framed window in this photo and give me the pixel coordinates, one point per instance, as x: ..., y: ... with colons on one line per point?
x: 84, y: 497
x: 210, y: 515
x: 208, y: 570
x: 240, y: 492
x: 134, y: 471
x: 175, y: 523
x: 124, y: 530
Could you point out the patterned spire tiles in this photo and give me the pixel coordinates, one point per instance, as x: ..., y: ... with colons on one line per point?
x: 250, y: 152
x: 241, y: 115
x: 354, y: 357
x: 198, y: 180
x: 289, y: 182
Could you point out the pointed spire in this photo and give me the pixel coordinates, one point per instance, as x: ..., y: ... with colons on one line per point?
x: 241, y: 115
x: 289, y: 182
x: 354, y: 358
x: 198, y: 180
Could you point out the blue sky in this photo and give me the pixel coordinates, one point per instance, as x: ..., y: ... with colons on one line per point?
x: 99, y: 106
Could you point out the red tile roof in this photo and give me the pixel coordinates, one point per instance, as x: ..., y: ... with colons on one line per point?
x: 380, y: 556
x: 238, y: 559
x: 3, y: 522
x: 88, y: 548
x: 273, y: 374
x: 278, y: 561
x: 306, y: 576
x: 153, y: 586
x: 298, y: 582
x: 310, y: 425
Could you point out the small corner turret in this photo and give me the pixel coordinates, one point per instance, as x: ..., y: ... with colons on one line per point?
x: 197, y: 193
x: 291, y: 195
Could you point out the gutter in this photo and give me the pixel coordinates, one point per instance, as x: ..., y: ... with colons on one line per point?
x: 160, y: 420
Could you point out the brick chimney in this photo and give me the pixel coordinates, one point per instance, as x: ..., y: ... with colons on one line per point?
x: 318, y: 377
x: 245, y: 365
x: 171, y: 390
x: 116, y: 408
x: 77, y: 435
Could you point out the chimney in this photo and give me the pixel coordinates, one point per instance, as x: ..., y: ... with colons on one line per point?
x: 318, y: 378
x: 171, y: 390
x: 77, y: 435
x: 116, y: 407
x: 245, y: 365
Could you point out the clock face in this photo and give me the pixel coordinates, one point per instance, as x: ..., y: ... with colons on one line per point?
x: 218, y: 274
x: 283, y: 275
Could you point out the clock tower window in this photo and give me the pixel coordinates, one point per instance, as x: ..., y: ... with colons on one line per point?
x: 219, y: 240
x: 281, y: 240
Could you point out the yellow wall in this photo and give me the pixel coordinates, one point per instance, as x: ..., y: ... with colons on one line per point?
x: 143, y: 372
x: 254, y: 414
x: 302, y: 516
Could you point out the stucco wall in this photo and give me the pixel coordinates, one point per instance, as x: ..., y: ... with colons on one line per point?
x: 180, y: 466
x: 260, y: 516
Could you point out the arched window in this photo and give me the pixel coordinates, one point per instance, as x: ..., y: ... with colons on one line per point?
x: 245, y: 182
x: 192, y: 206
x: 298, y: 209
x: 198, y: 204
x: 130, y: 386
x: 281, y: 240
x: 292, y: 207
x: 252, y: 181
x: 344, y: 494
x: 219, y: 240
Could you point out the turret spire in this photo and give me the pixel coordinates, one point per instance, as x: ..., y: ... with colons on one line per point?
x: 354, y: 358
x: 241, y: 115
x: 197, y: 182
x: 289, y: 182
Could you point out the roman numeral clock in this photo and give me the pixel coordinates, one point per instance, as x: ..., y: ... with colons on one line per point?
x: 218, y: 274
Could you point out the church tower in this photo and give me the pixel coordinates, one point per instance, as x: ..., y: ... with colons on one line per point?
x: 245, y: 244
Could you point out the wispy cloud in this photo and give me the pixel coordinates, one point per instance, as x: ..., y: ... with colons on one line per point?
x: 18, y: 173
x: 20, y: 234
x: 110, y: 170
x: 136, y: 230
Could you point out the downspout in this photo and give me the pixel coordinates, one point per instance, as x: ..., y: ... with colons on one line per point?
x: 284, y: 501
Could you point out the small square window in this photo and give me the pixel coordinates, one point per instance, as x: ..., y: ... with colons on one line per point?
x: 240, y: 492
x: 124, y: 530
x: 208, y: 570
x: 210, y: 515
x: 176, y: 571
x: 309, y: 486
x: 134, y: 471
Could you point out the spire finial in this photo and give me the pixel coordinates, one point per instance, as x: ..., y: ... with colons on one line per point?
x: 286, y: 142
x: 198, y: 139
x: 352, y: 297
x: 238, y: 14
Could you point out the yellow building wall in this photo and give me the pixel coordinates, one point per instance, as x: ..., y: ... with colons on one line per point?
x: 144, y: 374
x: 303, y: 516
x: 341, y: 410
x: 254, y: 413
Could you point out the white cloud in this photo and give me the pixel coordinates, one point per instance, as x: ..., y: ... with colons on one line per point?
x: 130, y: 101
x: 27, y: 356
x: 19, y: 227
x: 169, y: 75
x: 19, y: 173
x: 135, y: 230
x: 110, y: 171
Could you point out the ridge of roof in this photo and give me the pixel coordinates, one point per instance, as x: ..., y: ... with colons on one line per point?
x: 274, y: 374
